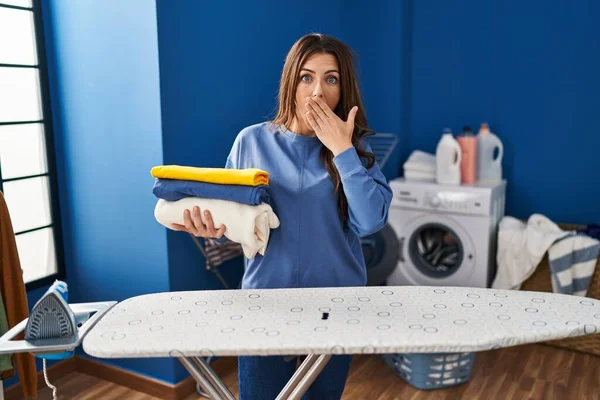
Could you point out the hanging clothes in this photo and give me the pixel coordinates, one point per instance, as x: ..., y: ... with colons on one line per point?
x: 5, y: 360
x: 14, y: 296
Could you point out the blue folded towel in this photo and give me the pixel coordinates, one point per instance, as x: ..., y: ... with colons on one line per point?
x: 175, y: 189
x: 572, y: 262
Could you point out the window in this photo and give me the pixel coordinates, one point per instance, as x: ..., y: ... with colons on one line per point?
x: 27, y: 170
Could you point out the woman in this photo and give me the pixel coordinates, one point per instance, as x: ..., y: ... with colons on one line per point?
x: 325, y: 187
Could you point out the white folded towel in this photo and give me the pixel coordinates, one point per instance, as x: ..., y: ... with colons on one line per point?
x: 246, y: 224
x: 411, y: 175
x: 521, y: 247
x: 420, y: 161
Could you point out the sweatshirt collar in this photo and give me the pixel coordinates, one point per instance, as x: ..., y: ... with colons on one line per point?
x: 298, y: 137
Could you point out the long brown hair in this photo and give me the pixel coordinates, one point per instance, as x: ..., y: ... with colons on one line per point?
x: 300, y: 52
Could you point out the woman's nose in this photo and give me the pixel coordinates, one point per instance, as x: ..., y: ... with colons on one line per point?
x: 317, y: 91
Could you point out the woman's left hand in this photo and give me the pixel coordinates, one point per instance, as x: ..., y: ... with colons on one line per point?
x: 334, y: 133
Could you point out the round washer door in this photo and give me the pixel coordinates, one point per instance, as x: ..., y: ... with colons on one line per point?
x: 436, y: 249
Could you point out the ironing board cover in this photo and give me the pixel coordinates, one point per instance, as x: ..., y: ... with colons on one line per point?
x: 402, y: 319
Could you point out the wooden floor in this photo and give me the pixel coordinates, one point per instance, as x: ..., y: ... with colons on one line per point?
x: 523, y: 372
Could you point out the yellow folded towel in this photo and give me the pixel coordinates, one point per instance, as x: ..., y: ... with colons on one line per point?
x: 224, y: 176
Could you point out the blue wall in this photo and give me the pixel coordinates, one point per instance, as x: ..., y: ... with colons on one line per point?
x: 103, y: 57
x: 380, y: 35
x: 531, y: 70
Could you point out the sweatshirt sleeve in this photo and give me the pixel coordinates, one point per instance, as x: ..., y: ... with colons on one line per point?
x: 367, y: 191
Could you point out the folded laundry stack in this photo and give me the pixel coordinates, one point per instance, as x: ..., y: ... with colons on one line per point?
x: 237, y: 198
x: 420, y: 166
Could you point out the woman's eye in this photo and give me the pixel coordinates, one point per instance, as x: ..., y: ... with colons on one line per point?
x: 305, y: 78
x: 332, y: 80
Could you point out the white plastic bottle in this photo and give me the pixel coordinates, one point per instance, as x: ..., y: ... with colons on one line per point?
x: 489, y: 169
x: 447, y: 160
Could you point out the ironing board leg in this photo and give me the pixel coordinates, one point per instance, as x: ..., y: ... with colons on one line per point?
x: 297, y: 377
x: 298, y: 384
x: 218, y: 384
x: 201, y: 379
x: 304, y: 376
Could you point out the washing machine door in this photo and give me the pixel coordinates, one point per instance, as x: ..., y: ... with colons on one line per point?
x: 434, y: 250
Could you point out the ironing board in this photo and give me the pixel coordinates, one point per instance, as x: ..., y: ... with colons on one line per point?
x: 317, y: 322
x: 322, y: 322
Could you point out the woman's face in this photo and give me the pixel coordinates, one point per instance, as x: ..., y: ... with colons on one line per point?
x: 319, y: 77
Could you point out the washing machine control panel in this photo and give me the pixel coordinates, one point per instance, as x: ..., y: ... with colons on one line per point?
x: 441, y: 198
x: 447, y: 200
x: 434, y: 199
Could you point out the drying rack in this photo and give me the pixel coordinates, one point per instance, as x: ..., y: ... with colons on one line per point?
x: 208, y: 264
x: 383, y: 145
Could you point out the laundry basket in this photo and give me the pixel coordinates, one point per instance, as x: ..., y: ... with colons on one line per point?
x: 432, y: 371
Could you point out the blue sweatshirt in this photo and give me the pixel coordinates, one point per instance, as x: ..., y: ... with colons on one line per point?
x: 311, y: 247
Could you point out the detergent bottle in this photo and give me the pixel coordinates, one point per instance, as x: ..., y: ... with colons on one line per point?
x: 489, y: 168
x: 468, y: 148
x: 447, y: 160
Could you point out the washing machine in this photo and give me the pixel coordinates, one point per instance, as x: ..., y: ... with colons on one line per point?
x: 447, y: 234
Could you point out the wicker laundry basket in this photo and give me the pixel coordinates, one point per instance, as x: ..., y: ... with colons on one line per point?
x: 540, y: 282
